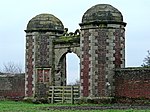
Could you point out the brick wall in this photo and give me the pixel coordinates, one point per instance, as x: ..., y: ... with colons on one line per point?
x: 12, y: 86
x: 132, y: 83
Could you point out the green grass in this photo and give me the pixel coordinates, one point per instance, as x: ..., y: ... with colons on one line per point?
x: 12, y: 106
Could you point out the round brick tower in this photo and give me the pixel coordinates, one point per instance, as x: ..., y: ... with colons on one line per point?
x: 40, y: 32
x: 102, y: 45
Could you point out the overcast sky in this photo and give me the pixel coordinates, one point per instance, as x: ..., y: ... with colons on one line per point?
x: 15, y: 14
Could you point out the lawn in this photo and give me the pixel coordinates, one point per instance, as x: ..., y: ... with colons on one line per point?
x: 12, y: 106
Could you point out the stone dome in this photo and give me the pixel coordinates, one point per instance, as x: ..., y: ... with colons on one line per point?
x: 102, y: 13
x: 45, y: 22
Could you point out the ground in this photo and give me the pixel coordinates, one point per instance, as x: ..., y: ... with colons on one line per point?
x: 108, y: 107
x: 11, y: 106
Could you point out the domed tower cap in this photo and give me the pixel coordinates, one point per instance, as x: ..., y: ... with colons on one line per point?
x: 102, y: 13
x: 45, y: 22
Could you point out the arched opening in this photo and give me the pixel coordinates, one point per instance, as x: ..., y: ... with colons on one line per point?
x: 73, y: 69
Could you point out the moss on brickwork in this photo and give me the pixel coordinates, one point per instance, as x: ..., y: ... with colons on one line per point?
x: 133, y: 69
x: 133, y: 73
x: 67, y: 39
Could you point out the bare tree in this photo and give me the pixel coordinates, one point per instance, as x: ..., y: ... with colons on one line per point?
x: 12, y: 68
x: 1, y: 72
x: 76, y: 83
x: 147, y: 60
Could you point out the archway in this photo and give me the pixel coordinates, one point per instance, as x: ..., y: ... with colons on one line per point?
x: 73, y: 69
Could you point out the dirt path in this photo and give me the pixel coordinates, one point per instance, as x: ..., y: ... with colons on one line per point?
x: 120, y: 107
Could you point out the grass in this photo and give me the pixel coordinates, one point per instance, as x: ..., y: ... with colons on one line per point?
x: 12, y: 106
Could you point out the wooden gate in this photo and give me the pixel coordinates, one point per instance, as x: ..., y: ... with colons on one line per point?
x: 63, y: 94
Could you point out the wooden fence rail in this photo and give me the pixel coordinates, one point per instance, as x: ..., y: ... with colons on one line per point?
x: 63, y: 94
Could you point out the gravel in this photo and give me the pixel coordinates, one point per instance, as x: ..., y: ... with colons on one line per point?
x: 120, y: 107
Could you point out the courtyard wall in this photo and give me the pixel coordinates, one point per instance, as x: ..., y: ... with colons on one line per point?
x: 12, y: 86
x: 132, y: 83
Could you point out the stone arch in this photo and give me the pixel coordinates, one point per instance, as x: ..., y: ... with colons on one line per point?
x: 60, y: 64
x: 60, y: 52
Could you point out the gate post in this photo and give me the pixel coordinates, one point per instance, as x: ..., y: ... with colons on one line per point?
x: 102, y: 45
x: 40, y: 33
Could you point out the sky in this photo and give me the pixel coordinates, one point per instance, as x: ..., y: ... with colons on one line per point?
x: 15, y: 14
